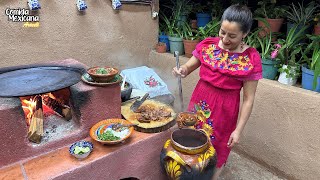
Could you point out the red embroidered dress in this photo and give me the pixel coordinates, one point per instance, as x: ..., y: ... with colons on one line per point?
x: 216, y: 97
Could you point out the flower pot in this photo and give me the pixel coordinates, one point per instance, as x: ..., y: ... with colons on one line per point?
x: 161, y: 47
x: 275, y: 25
x: 270, y: 69
x: 194, y: 24
x: 164, y: 38
x: 307, y: 79
x: 287, y: 80
x: 306, y: 31
x: 176, y: 44
x: 316, y: 30
x: 189, y: 46
x: 188, y: 153
x: 203, y: 19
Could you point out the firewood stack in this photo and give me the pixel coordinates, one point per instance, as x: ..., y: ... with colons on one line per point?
x: 35, y: 132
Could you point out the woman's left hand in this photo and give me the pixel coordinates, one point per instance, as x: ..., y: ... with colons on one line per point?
x: 234, y: 139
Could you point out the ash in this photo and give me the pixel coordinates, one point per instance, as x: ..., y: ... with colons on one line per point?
x: 56, y: 127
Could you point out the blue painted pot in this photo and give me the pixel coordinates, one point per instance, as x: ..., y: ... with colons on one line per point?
x: 307, y: 79
x: 203, y: 19
x: 165, y: 39
x: 269, y: 68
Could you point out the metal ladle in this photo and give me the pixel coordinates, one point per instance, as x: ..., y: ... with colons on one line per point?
x: 176, y: 54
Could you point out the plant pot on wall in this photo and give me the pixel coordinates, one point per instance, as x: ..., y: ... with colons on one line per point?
x: 165, y: 39
x: 194, y: 24
x: 176, y: 44
x: 307, y: 79
x: 203, y: 19
x: 288, y: 80
x: 189, y: 46
x: 316, y: 30
x: 161, y: 47
x: 275, y: 24
x: 270, y: 68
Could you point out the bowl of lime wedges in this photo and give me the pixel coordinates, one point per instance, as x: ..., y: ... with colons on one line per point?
x: 81, y: 149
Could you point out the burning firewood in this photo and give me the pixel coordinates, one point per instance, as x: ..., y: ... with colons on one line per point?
x: 35, y: 132
x: 61, y: 109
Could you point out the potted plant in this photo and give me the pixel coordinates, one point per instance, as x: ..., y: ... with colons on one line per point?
x: 268, y: 54
x: 300, y: 15
x: 203, y: 13
x: 181, y: 9
x: 174, y: 33
x: 311, y: 70
x: 317, y: 24
x: 290, y: 47
x: 270, y: 16
x: 190, y: 39
x: 210, y: 29
x: 161, y: 47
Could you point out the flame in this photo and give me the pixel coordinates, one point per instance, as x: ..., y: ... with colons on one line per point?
x: 28, y: 107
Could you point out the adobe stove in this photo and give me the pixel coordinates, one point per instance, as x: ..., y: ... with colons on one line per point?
x: 46, y: 106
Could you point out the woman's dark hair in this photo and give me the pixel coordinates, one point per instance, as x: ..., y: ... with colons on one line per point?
x: 240, y: 14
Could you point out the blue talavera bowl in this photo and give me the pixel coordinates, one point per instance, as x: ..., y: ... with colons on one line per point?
x: 81, y: 144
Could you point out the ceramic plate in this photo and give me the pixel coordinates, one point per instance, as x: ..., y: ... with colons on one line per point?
x: 87, y: 79
x: 101, y: 126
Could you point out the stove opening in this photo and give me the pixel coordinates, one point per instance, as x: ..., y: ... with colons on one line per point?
x: 48, y: 116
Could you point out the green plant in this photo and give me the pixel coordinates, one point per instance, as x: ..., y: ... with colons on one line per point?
x: 171, y: 25
x: 269, y: 9
x: 311, y: 56
x: 299, y: 14
x: 211, y: 29
x: 265, y: 45
x: 214, y: 7
x: 188, y: 33
x: 290, y: 47
x: 252, y: 39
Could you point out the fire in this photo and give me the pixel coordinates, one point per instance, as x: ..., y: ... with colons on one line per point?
x: 29, y: 105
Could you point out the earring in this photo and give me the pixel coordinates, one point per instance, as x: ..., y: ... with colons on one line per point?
x: 241, y: 44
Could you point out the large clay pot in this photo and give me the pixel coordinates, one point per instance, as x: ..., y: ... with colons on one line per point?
x: 188, y: 154
x: 189, y: 46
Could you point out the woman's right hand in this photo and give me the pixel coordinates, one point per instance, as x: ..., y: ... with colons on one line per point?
x: 182, y: 71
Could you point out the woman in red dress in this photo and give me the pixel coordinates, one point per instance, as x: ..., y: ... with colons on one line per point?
x: 227, y: 65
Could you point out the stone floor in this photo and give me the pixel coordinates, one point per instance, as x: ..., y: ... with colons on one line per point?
x: 240, y: 167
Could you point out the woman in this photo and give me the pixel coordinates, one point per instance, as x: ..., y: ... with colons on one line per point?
x: 226, y: 64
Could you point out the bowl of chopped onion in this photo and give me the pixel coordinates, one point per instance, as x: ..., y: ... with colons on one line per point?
x: 111, y: 131
x: 81, y: 149
x: 102, y: 74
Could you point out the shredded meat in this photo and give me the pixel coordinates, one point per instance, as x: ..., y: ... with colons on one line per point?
x: 148, y: 113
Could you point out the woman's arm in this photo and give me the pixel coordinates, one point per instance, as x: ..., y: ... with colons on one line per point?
x: 184, y: 70
x: 249, y: 91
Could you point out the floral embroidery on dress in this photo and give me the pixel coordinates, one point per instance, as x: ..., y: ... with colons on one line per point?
x: 219, y: 59
x: 203, y: 114
x: 151, y: 82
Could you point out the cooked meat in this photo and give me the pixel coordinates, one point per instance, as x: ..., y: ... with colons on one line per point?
x: 148, y: 113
